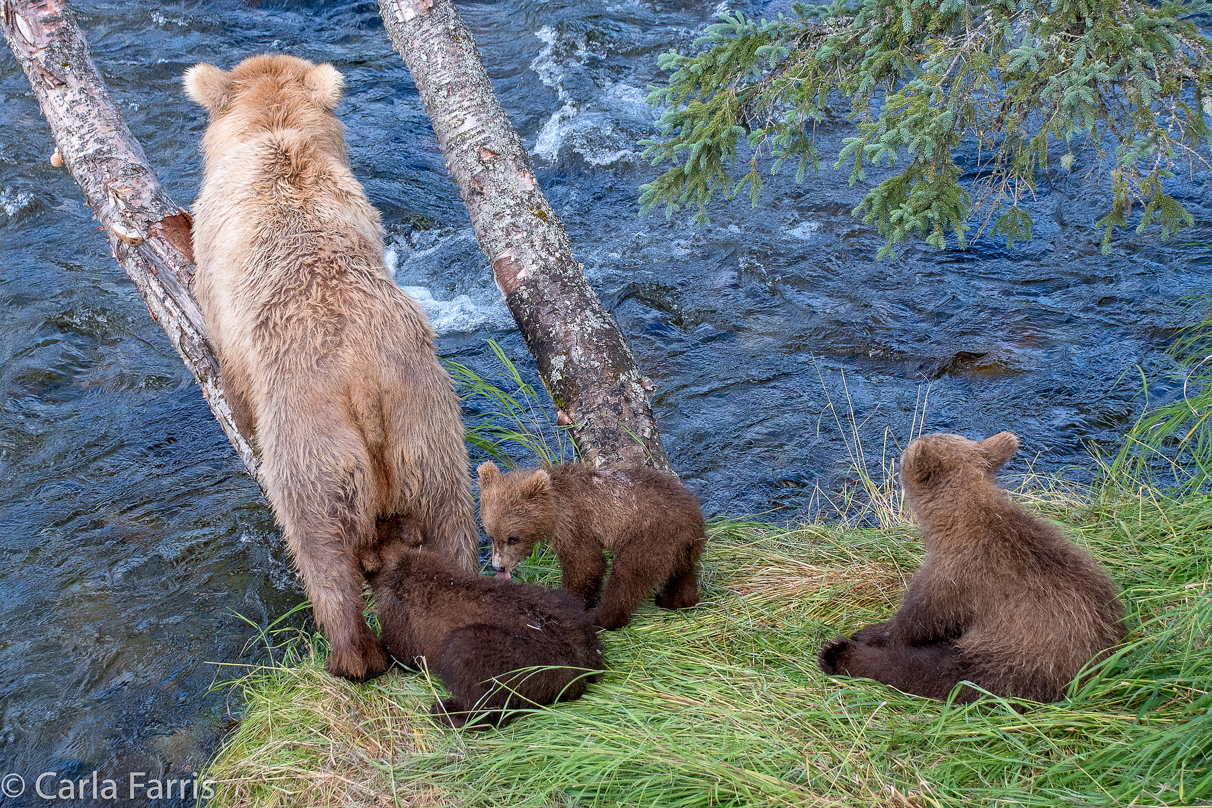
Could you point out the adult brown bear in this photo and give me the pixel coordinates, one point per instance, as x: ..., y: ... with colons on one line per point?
x: 322, y: 357
x: 1001, y: 600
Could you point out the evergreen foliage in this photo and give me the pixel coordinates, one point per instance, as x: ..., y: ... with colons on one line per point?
x: 1022, y: 83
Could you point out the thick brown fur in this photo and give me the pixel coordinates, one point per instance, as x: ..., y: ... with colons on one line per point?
x: 322, y: 357
x: 650, y: 522
x: 497, y: 646
x: 1001, y: 600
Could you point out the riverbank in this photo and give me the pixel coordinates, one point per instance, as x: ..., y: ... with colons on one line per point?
x: 724, y: 704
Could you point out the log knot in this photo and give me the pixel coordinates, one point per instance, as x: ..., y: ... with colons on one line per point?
x: 510, y: 270
x: 177, y: 230
x: 408, y: 10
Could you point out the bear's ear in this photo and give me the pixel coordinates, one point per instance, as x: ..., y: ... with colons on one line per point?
x: 999, y: 448
x: 919, y: 468
x: 208, y: 86
x: 326, y: 85
x: 537, y: 484
x: 488, y: 473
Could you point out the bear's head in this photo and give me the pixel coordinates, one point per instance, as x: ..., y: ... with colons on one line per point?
x: 931, y: 463
x: 268, y: 92
x: 518, y: 511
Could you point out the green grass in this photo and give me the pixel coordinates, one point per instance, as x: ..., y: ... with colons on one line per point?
x: 1170, y: 445
x: 723, y: 705
x: 506, y: 417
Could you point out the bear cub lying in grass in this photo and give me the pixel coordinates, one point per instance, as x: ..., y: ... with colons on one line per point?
x: 1001, y: 600
x: 498, y: 647
x: 650, y: 522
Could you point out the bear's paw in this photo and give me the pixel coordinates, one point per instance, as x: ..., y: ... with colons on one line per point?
x: 835, y: 654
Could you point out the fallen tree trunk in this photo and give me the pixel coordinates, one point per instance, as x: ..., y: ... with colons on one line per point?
x: 148, y: 233
x: 582, y: 356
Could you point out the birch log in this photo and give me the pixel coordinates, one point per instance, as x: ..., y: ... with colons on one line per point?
x: 148, y: 234
x: 582, y: 356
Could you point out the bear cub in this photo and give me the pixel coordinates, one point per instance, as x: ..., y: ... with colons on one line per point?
x: 498, y: 647
x: 1001, y: 600
x: 323, y: 358
x: 650, y: 522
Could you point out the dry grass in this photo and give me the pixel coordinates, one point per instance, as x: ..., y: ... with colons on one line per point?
x: 723, y: 704
x: 308, y: 739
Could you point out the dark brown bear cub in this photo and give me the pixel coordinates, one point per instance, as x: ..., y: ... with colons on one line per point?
x: 1001, y: 600
x: 650, y: 522
x: 498, y: 647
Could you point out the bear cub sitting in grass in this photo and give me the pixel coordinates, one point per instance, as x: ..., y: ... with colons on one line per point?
x: 497, y: 646
x: 1001, y: 600
x: 650, y: 522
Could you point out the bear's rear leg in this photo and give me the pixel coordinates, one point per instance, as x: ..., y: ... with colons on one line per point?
x: 320, y: 487
x: 493, y: 672
x: 634, y: 575
x: 681, y: 591
x: 876, y: 635
x: 926, y: 670
x: 333, y: 580
x: 452, y: 531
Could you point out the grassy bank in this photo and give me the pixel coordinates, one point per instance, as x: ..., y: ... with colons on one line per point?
x: 724, y: 705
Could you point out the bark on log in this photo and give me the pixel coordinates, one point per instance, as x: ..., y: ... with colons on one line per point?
x: 148, y: 233
x: 582, y: 356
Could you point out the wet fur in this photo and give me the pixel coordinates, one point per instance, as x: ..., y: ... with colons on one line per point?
x: 322, y: 357
x: 474, y: 632
x: 1002, y: 599
x: 650, y: 522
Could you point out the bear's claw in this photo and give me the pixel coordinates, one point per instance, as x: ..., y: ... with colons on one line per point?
x: 372, y: 662
x: 833, y: 656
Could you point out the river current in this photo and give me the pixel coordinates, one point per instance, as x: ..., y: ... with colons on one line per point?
x: 136, y: 558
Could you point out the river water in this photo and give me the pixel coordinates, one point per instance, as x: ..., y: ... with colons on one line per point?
x: 135, y: 556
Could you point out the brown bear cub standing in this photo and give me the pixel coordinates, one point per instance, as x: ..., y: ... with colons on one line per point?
x: 497, y: 646
x: 650, y: 522
x: 1001, y: 600
x: 322, y: 357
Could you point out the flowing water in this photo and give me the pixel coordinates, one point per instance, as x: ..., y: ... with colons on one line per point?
x: 136, y: 559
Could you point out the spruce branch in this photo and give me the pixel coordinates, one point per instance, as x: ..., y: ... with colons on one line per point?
x: 1023, y: 83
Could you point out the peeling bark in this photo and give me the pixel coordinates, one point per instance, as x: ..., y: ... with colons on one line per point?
x: 582, y: 356
x: 148, y: 233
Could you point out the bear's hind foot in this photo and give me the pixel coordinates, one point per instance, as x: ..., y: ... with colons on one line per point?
x: 876, y: 635
x: 678, y: 600
x: 835, y: 655
x: 359, y: 664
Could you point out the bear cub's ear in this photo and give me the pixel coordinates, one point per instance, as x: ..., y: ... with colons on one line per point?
x: 208, y: 87
x: 537, y: 484
x: 999, y: 448
x: 919, y: 465
x: 488, y: 473
x: 326, y: 85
